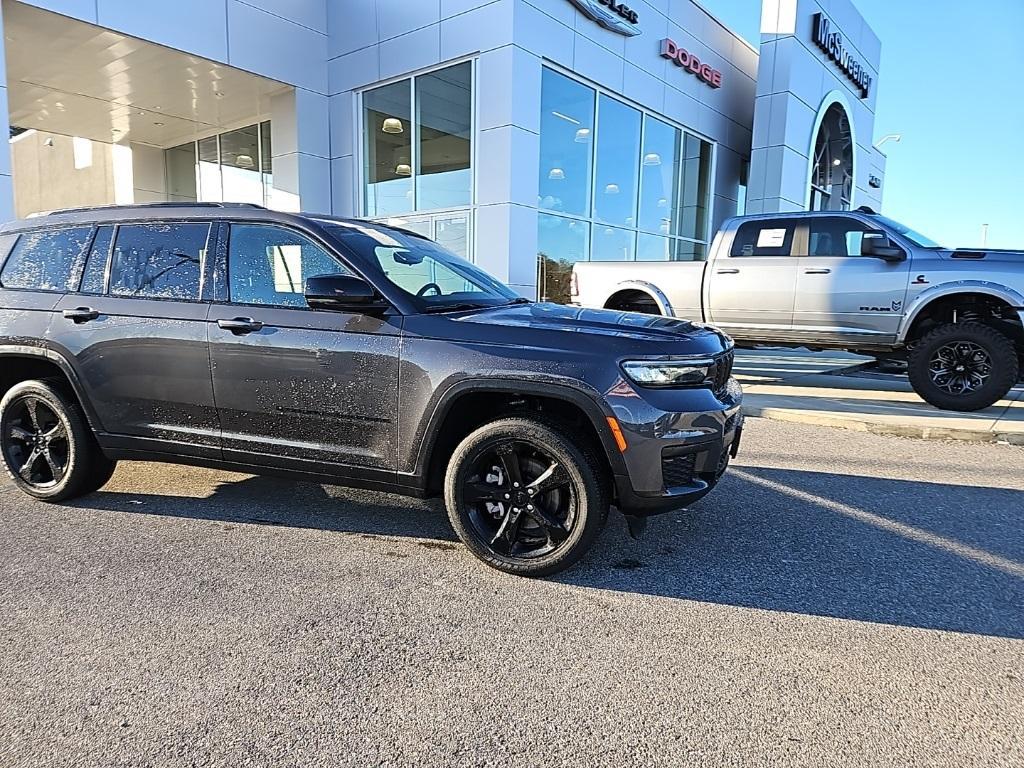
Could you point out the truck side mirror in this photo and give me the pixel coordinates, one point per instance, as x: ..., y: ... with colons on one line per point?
x: 878, y: 245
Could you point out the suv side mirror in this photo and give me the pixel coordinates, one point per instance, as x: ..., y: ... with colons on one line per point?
x: 879, y: 246
x: 343, y: 293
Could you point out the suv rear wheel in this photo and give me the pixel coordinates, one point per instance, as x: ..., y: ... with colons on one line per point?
x: 963, y: 366
x: 46, y: 445
x: 524, y: 497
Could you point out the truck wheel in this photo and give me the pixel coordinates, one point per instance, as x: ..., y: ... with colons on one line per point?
x: 963, y: 366
x: 524, y: 497
x: 46, y: 445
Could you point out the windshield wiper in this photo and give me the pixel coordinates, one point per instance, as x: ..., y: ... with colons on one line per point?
x: 520, y: 300
x: 454, y: 307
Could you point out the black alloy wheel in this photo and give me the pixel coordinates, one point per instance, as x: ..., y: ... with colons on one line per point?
x: 524, y: 498
x: 36, y: 443
x: 960, y: 367
x: 46, y: 445
x: 520, y: 500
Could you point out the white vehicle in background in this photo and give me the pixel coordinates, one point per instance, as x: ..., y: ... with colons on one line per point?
x: 853, y: 280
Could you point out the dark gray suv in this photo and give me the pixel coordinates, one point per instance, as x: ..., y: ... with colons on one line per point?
x: 353, y: 353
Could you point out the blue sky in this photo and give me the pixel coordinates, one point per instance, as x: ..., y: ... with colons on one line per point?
x: 952, y: 83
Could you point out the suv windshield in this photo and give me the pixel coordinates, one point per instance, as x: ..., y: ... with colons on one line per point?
x: 435, y: 279
x: 915, y: 237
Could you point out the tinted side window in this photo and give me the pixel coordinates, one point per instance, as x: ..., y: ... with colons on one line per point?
x: 94, y: 279
x: 46, y: 261
x: 270, y: 265
x: 158, y: 261
x: 769, y: 237
x: 836, y: 237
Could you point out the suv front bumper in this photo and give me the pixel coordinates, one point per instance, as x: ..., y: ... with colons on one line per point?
x: 675, y: 457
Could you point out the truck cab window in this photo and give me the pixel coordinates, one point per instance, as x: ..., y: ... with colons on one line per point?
x: 834, y: 237
x: 766, y: 237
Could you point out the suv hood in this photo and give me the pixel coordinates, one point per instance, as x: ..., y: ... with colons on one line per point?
x: 617, y: 329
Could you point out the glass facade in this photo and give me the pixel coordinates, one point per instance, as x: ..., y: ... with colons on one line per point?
x: 230, y: 167
x: 616, y: 184
x: 832, y: 170
x: 424, y: 163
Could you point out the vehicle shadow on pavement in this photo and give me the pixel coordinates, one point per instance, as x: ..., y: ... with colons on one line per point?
x: 896, y: 552
x: 263, y: 500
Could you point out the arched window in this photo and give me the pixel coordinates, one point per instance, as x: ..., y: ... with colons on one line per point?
x: 832, y: 169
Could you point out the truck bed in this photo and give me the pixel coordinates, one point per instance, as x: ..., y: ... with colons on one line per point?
x: 677, y: 283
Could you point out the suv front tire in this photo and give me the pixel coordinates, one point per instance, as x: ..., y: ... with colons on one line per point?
x: 526, y: 497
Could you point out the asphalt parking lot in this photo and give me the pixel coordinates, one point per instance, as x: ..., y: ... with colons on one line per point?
x: 843, y: 599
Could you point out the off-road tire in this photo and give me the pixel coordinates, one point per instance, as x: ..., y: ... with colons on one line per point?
x: 1005, y: 366
x: 588, y: 479
x: 88, y: 469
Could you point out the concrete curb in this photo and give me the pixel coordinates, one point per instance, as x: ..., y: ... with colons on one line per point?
x: 859, y: 424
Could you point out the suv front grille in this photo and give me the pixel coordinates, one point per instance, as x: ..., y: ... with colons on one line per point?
x: 721, y: 371
x: 678, y: 470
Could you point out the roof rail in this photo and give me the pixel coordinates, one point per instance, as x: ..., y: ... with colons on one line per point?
x: 86, y: 208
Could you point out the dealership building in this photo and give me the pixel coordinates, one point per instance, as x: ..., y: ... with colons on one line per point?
x: 525, y: 135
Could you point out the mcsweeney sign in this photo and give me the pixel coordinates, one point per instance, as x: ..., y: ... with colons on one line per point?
x: 689, y: 61
x: 834, y: 47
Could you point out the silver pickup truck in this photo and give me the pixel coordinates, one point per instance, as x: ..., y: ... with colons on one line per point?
x: 843, y: 280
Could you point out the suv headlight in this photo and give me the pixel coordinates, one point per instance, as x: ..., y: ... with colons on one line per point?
x: 668, y: 373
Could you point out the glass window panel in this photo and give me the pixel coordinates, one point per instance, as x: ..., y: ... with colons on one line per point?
x: 566, y: 136
x: 210, y: 189
x: 618, y: 156
x: 240, y: 170
x: 270, y: 265
x: 765, y: 237
x: 613, y: 244
x: 561, y: 243
x: 266, y: 160
x: 94, y: 279
x: 654, y: 248
x: 687, y: 251
x: 159, y: 261
x: 444, y: 117
x: 836, y: 238
x: 181, y: 172
x: 695, y: 187
x: 453, y: 233
x: 47, y: 261
x: 659, y: 176
x: 387, y: 152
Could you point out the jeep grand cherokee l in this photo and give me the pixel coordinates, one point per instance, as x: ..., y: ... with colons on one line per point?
x: 353, y: 353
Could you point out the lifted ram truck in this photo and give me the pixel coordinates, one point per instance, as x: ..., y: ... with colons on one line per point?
x: 352, y: 353
x: 843, y: 280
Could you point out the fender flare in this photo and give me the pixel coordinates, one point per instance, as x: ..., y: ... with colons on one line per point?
x: 51, y: 356
x: 586, y: 399
x: 943, y: 290
x: 656, y: 294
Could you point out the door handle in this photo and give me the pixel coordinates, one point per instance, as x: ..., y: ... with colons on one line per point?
x: 728, y: 271
x: 80, y: 315
x: 240, y: 325
x: 816, y: 271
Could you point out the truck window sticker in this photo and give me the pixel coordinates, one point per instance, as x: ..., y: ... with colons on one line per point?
x: 771, y: 238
